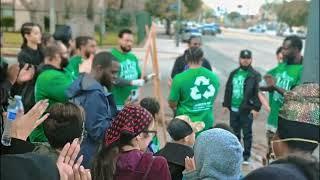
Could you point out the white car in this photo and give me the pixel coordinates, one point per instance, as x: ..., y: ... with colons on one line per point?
x: 187, y: 33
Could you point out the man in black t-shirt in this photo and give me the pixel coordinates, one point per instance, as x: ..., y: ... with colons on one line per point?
x: 181, y: 65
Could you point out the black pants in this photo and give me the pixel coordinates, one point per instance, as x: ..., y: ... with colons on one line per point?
x: 243, y: 121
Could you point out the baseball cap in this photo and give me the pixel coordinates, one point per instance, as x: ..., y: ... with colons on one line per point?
x: 245, y: 54
x: 182, y: 126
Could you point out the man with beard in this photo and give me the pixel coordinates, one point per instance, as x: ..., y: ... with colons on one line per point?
x: 85, y: 46
x: 129, y: 69
x: 181, y: 64
x: 53, y: 81
x: 241, y: 99
x: 92, y: 92
x: 283, y: 78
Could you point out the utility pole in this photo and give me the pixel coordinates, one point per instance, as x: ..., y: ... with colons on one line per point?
x: 102, y: 21
x: 310, y: 71
x: 52, y: 16
x: 178, y: 23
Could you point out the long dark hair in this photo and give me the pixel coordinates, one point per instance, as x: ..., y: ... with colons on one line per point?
x: 104, y: 164
x: 26, y: 28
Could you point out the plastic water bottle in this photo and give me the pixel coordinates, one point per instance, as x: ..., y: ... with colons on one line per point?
x: 14, y: 108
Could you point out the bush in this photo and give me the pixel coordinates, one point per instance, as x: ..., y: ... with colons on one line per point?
x: 7, y: 22
x: 116, y: 19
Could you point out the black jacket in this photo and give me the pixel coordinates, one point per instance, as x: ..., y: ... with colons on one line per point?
x: 26, y: 90
x: 251, y: 88
x: 180, y: 65
x: 175, y: 155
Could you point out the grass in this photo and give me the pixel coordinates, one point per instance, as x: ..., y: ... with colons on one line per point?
x: 14, y: 39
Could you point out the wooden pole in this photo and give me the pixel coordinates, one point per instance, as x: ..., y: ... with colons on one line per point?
x: 156, y: 80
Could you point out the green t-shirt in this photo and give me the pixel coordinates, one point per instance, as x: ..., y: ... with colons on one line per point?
x: 195, y: 91
x: 129, y: 70
x: 51, y: 84
x: 238, y: 87
x: 286, y: 77
x: 73, y: 66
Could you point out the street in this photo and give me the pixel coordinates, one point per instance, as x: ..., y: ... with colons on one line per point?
x: 223, y: 51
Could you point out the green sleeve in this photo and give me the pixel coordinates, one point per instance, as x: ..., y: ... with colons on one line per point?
x: 73, y: 67
x: 55, y: 87
x: 175, y: 90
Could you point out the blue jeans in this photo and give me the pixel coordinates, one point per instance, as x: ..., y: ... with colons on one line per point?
x: 243, y: 121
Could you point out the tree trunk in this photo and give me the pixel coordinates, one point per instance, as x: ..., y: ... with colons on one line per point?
x: 168, y: 27
x: 32, y: 7
x: 121, y: 4
x: 90, y: 11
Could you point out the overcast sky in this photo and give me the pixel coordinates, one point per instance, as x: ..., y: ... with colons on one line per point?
x: 250, y: 7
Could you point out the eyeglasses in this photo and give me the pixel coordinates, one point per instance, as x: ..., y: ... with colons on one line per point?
x: 152, y: 132
x: 273, y: 156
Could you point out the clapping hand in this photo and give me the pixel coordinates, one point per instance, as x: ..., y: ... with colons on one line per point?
x: 190, y: 164
x: 69, y: 168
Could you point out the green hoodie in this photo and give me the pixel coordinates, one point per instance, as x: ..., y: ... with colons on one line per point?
x: 51, y: 84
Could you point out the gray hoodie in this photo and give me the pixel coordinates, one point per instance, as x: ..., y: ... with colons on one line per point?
x: 218, y: 155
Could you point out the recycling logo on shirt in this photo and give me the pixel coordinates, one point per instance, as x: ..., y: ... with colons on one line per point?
x: 196, y: 94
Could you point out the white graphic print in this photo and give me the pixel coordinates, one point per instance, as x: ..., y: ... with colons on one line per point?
x: 196, y: 94
x: 237, y: 90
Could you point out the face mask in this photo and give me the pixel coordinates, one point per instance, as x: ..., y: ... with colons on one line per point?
x: 64, y: 62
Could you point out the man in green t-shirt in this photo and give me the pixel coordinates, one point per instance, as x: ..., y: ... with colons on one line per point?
x: 129, y: 76
x: 52, y: 81
x: 283, y: 78
x: 194, y: 91
x: 242, y: 100
x: 85, y: 46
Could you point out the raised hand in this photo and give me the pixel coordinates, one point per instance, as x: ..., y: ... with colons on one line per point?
x: 190, y: 164
x: 86, y: 65
x: 25, y: 124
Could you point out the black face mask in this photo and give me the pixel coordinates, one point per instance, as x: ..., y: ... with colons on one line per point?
x: 124, y: 49
x: 64, y: 62
x: 290, y: 60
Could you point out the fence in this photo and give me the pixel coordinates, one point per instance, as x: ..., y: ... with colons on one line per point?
x: 13, y: 18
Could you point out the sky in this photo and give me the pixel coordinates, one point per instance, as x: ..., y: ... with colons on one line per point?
x: 250, y: 7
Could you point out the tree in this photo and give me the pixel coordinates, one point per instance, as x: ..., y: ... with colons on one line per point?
x: 167, y: 10
x: 294, y: 13
x: 90, y: 10
x: 234, y: 15
x: 32, y: 7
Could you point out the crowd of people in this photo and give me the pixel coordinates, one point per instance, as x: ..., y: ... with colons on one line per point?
x: 83, y: 119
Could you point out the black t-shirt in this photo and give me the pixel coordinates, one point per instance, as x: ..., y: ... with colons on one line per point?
x: 30, y: 56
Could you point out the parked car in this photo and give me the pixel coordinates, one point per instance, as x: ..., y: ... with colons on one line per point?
x: 257, y: 29
x: 217, y: 27
x: 187, y: 33
x: 298, y: 32
x: 210, y: 29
